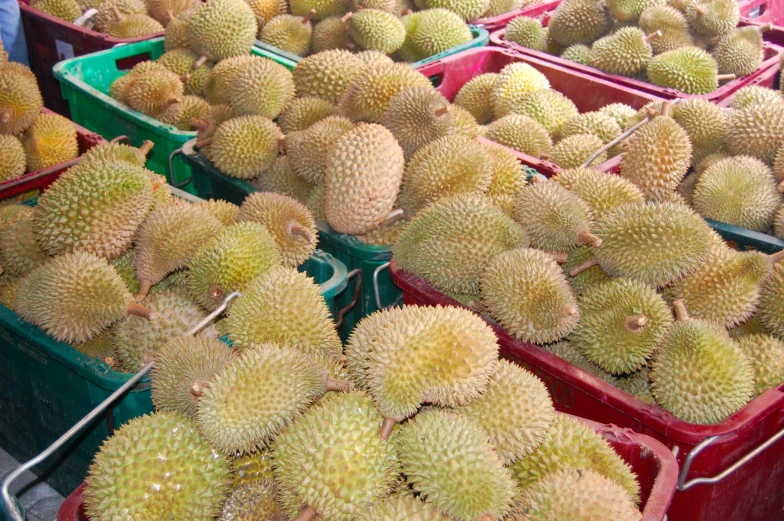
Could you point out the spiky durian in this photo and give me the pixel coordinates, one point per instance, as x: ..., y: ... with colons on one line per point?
x: 221, y: 29
x: 565, y: 350
x: 521, y: 133
x: 740, y: 52
x: 515, y: 81
x: 303, y: 112
x: 704, y: 122
x: 579, y: 21
x: 624, y: 52
x: 245, y: 146
x: 603, y: 192
x: 50, y: 140
x: 288, y: 32
x: 261, y: 87
x: 756, y: 129
x: 399, y: 507
x: 766, y: 354
x: 416, y: 117
x: 712, y: 18
x: 19, y: 251
x: 309, y: 149
x: 327, y: 74
x: 224, y: 211
x: 476, y: 96
x: 548, y: 107
x: 20, y: 98
x: 687, y: 69
x: 253, y: 500
x: 574, y: 151
x: 771, y: 308
x: 12, y: 160
x: 597, y: 123
x: 672, y: 24
x: 282, y: 179
x: 508, y: 178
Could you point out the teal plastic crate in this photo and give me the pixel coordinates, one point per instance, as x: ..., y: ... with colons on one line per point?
x: 85, y: 82
x: 480, y: 38
x: 371, y: 260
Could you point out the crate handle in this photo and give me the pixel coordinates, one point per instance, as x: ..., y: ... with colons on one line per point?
x: 120, y: 139
x: 686, y: 485
x: 377, y: 288
x: 357, y: 273
x: 177, y: 184
x: 10, y: 501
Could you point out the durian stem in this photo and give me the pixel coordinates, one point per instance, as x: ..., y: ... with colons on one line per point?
x: 297, y: 230
x: 780, y: 187
x: 109, y: 361
x: 216, y: 294
x: 725, y: 77
x: 173, y: 99
x: 590, y: 263
x: 144, y: 289
x: 386, y: 428
x: 282, y: 144
x: 350, y: 45
x: 558, y: 256
x: 306, y: 514
x: 636, y: 323
x: 5, y: 116
x: 338, y: 385
x: 117, y: 14
x: 2, y: 270
x: 136, y: 309
x: 204, y: 143
x: 395, y: 216
x: 200, y: 61
x: 681, y: 315
x: 570, y: 310
x: 700, y: 10
x: 545, y: 156
x: 199, y: 124
x: 475, y: 305
x: 776, y: 257
x: 665, y: 109
x: 603, y: 6
x: 653, y: 36
x: 308, y: 16
x: 766, y: 27
x: 406, y: 12
x: 485, y: 517
x: 146, y: 147
x: 170, y: 14
x: 585, y: 237
x: 348, y: 16
x: 443, y: 111
x: 197, y: 389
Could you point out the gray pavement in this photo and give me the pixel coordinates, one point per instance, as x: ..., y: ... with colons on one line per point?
x: 40, y: 501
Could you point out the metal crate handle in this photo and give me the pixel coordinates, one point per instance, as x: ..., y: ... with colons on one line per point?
x: 357, y: 273
x: 10, y: 501
x: 377, y: 288
x: 686, y: 485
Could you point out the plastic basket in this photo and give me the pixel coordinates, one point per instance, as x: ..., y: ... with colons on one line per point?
x: 480, y: 38
x: 376, y: 289
x: 533, y: 10
x: 85, y: 83
x: 750, y: 492
x: 763, y: 11
x: 51, y: 39
x: 654, y: 465
x: 588, y: 93
x: 771, y: 59
x: 33, y: 183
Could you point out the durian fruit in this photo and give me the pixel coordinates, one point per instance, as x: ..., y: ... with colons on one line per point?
x: 13, y: 161
x: 525, y: 31
x: 252, y: 466
x: 476, y: 97
x: 629, y: 11
x: 450, y: 165
x: 603, y: 192
x: 499, y: 7
x: 221, y: 77
x: 374, y: 57
x: 399, y: 507
x: 99, y: 347
x: 74, y: 297
x: 566, y: 351
x: 385, y: 235
x: 288, y: 221
x: 740, y: 191
x: 577, y: 53
x: 330, y: 34
x: 106, y: 15
x: 134, y: 26
x: 253, y: 500
x: 308, y: 150
x: 230, y: 261
x: 20, y: 98
x: 625, y: 52
x: 778, y: 223
x: 176, y: 474
x: 237, y: 415
x: 280, y: 178
x: 137, y: 340
x: 479, y: 488
x: 550, y: 108
x: 516, y: 410
x: 569, y: 177
x: 315, y: 202
x: 514, y: 82
x: 169, y: 238
x: 657, y: 157
x: 180, y: 114
x: 597, y: 123
x: 507, y: 179
x: 771, y: 309
x: 324, y: 8
x: 176, y: 36
x: 180, y: 61
x: 527, y: 293
x: 67, y: 10
x: 221, y: 29
x: 120, y: 87
x: 416, y: 117
x: 343, y: 469
x: 592, y: 276
x: 687, y: 69
x: 766, y: 355
x: 245, y: 146
x: 579, y: 21
x: 752, y: 94
x: 371, y: 91
x: 450, y: 242
x: 740, y: 52
x: 303, y: 112
x: 284, y: 307
x: 574, y: 151
x: 653, y: 243
x: 712, y: 18
x: 638, y: 385
x: 94, y: 207
x: 433, y: 31
x: 266, y: 10
x: 166, y: 10
x: 183, y: 367
x: 465, y: 124
x: 153, y: 91
x: 591, y: 497
x: 701, y: 375
x: 19, y: 251
x: 125, y: 266
x: 704, y: 122
x: 119, y: 152
x: 622, y: 323
x: 756, y: 129
x: 50, y: 140
x: 553, y: 217
x: 522, y: 134
x: 571, y: 443
x: 672, y: 24
x: 467, y: 9
x: 224, y: 211
x: 327, y: 74
x: 362, y: 179
x: 373, y: 29
x: 288, y: 32
x: 261, y: 87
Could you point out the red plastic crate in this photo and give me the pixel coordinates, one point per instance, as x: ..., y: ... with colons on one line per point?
x: 51, y: 40
x: 763, y: 11
x: 652, y: 462
x: 753, y: 492
x: 534, y: 11
x: 770, y: 60
x: 588, y: 93
x: 39, y: 181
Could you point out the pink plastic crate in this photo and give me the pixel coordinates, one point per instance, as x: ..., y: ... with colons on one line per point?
x: 534, y: 11
x: 752, y: 492
x: 652, y: 462
x: 763, y: 11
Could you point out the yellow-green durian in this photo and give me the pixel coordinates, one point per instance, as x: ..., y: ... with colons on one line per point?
x: 476, y: 96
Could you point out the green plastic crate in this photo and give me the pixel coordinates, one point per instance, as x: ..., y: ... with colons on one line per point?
x: 210, y: 183
x: 85, y: 82
x: 480, y: 38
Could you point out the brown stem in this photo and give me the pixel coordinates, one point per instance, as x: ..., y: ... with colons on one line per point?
x: 544, y: 156
x: 173, y: 99
x: 780, y: 187
x: 109, y: 361
x: 636, y: 323
x: 765, y: 28
x: 6, y: 116
x: 306, y: 514
x: 297, y: 230
x: 117, y: 14
x: 199, y: 62
x: 589, y: 239
x: 217, y: 293
x: 199, y: 124
x: 476, y: 306
x: 725, y: 77
x: 136, y: 309
x: 204, y: 143
x: 170, y: 14
x: 349, y: 45
x: 406, y: 12
x: 144, y: 288
x: 700, y: 10
x: 282, y: 144
x: 443, y: 111
x: 146, y: 147
x: 308, y: 16
x: 348, y: 16
x: 570, y: 310
x: 665, y: 109
x: 590, y: 263
x: 338, y: 385
x: 776, y: 257
x: 485, y: 517
x: 681, y: 315
x: 386, y: 428
x: 653, y: 36
x: 2, y: 270
x: 197, y: 389
x: 395, y: 216
x: 558, y: 256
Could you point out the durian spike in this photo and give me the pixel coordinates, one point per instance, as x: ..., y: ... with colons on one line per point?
x: 308, y: 16
x: 306, y: 514
x: 665, y: 109
x: 700, y: 10
x: 386, y: 428
x: 348, y: 16
x: 198, y: 63
x: 117, y: 13
x: 585, y: 237
x: 681, y: 315
x: 636, y: 323
x: 558, y: 256
x: 282, y: 144
x: 338, y: 385
x: 776, y: 257
x: 199, y: 124
x: 146, y: 147
x: 653, y: 36
x: 204, y: 143
x: 144, y: 288
x: 443, y: 111
x: 395, y: 216
x: 725, y: 77
x: 590, y: 263
x: 136, y: 309
x: 297, y: 230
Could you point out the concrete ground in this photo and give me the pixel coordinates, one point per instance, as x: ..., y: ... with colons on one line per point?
x: 40, y: 501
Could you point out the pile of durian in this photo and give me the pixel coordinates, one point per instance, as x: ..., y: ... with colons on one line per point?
x: 631, y: 249
x: 29, y: 140
x: 117, y: 18
x: 399, y: 428
x: 688, y: 45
